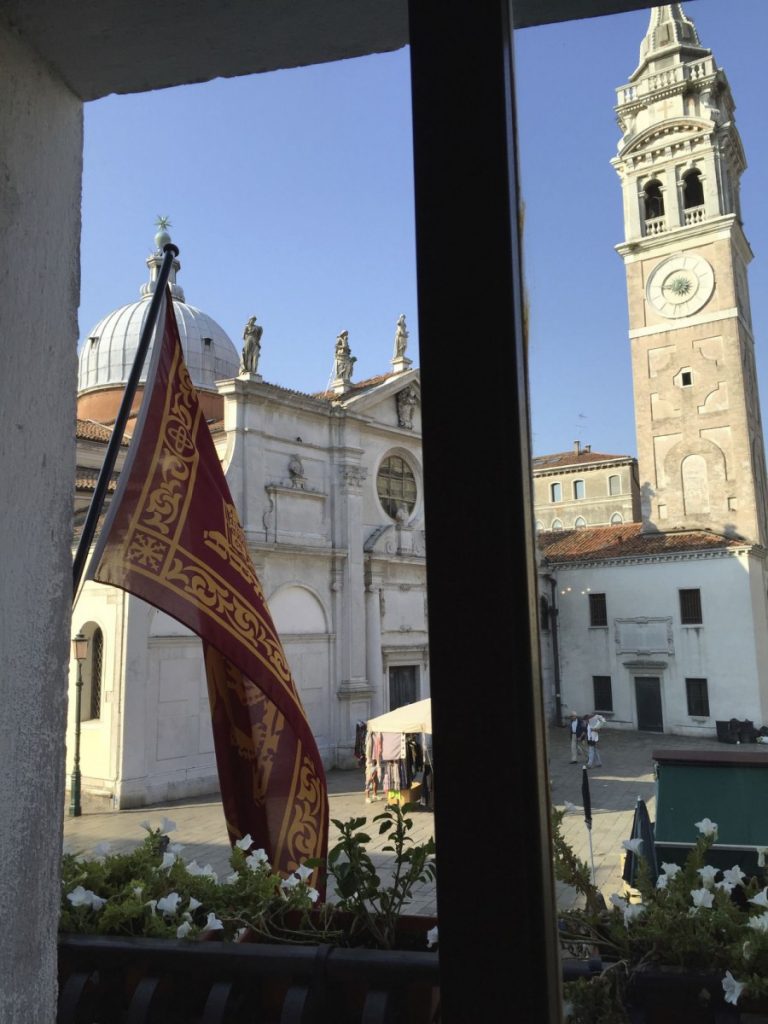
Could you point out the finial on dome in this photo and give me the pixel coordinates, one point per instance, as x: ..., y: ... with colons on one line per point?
x: 162, y: 237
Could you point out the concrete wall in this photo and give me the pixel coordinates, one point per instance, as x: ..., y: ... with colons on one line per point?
x: 40, y: 171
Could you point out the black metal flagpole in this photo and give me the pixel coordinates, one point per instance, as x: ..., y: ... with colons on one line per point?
x: 100, y: 491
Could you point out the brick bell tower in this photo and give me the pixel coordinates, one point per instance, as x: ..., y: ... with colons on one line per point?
x: 697, y: 410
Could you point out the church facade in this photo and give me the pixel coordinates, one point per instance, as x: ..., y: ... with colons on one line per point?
x: 662, y: 623
x: 329, y: 491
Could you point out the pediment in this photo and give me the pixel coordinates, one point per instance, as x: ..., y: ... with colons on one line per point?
x: 660, y: 134
x: 395, y: 401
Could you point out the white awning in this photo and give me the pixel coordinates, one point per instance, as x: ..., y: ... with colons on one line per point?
x: 410, y: 718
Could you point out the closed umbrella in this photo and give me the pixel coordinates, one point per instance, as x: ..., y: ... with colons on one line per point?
x: 586, y: 799
x: 641, y: 829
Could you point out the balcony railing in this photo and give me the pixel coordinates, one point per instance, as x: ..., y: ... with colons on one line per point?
x: 655, y: 225
x: 695, y: 215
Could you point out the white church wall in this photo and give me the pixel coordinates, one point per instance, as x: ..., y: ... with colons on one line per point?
x: 644, y: 637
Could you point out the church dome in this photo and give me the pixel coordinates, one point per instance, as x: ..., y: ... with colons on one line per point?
x: 108, y: 351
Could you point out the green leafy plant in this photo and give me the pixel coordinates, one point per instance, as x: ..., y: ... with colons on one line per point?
x: 151, y: 891
x: 695, y: 917
x: 376, y: 908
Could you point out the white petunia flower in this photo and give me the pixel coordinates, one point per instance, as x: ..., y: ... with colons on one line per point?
x: 706, y: 827
x: 257, y: 859
x: 702, y: 898
x: 633, y: 845
x: 151, y: 904
x: 183, y: 930
x: 670, y: 870
x: 213, y: 924
x: 193, y: 868
x: 432, y: 937
x: 169, y: 904
x: 734, y: 875
x: 146, y: 825
x: 245, y: 843
x: 80, y: 897
x: 725, y: 886
x: 708, y: 874
x: 761, y: 852
x: 304, y: 872
x: 231, y: 879
x: 761, y: 900
x: 732, y: 988
x: 618, y: 901
x: 290, y: 882
x: 662, y: 881
x: 169, y: 859
x: 193, y: 903
x: 313, y: 894
x: 240, y: 933
x: 138, y: 890
x: 166, y: 825
x: 759, y: 923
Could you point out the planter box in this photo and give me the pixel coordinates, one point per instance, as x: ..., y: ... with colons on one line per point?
x: 113, y: 980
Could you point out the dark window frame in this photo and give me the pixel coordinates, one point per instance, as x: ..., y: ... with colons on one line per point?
x: 690, y: 607
x: 598, y: 610
x: 697, y: 697
x: 602, y: 701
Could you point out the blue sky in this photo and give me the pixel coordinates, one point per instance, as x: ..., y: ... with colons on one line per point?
x: 290, y: 196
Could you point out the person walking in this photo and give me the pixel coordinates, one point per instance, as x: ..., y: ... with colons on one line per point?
x: 578, y: 732
x: 593, y: 738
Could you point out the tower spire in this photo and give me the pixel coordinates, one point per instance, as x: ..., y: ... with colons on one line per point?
x: 669, y: 29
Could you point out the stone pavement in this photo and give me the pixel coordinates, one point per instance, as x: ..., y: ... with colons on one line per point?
x: 627, y: 773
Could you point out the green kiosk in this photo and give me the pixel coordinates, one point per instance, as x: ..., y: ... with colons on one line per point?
x: 729, y: 788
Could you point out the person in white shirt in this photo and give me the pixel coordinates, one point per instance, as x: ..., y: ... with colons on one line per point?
x: 593, y: 738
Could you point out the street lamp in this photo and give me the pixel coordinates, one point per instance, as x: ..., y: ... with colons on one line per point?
x: 79, y: 653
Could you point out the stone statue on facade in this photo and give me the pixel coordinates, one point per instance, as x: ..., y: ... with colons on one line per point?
x: 343, y: 360
x: 296, y: 473
x: 401, y: 337
x: 249, y: 363
x: 407, y: 400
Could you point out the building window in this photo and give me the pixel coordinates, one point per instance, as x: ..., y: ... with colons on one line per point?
x: 654, y: 200
x: 555, y: 492
x: 690, y: 607
x: 578, y: 489
x: 617, y: 519
x: 556, y: 524
x: 396, y: 487
x: 686, y: 379
x: 698, y: 697
x: 614, y: 484
x: 579, y: 523
x: 603, y: 693
x: 598, y: 610
x: 693, y: 190
x: 97, y: 662
x: 544, y: 613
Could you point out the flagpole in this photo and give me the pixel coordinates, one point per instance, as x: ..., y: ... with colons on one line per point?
x: 100, y: 491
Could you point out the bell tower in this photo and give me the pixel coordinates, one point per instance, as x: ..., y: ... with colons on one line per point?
x: 697, y: 411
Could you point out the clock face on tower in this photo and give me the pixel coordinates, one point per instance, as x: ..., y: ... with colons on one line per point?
x: 680, y: 286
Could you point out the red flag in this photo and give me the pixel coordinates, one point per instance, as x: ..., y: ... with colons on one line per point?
x: 173, y: 538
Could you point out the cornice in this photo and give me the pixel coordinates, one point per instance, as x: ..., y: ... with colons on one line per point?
x: 658, y: 558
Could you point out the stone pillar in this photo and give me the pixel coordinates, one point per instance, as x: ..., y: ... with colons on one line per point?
x: 373, y: 661
x: 40, y: 178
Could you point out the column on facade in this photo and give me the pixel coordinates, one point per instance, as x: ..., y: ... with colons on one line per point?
x: 374, y: 667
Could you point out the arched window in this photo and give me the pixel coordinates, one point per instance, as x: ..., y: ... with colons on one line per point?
x: 578, y: 489
x: 654, y: 200
x: 555, y: 492
x: 579, y: 523
x: 617, y: 519
x: 693, y: 190
x: 96, y: 673
x: 614, y: 484
x: 556, y: 524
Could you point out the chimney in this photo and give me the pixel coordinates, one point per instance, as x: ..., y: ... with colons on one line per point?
x: 587, y: 449
x: 577, y: 448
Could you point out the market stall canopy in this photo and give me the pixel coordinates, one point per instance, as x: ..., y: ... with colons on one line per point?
x: 409, y: 718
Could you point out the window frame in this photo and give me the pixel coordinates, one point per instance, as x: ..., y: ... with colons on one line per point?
x: 599, y: 704
x: 691, y: 609
x: 692, y: 684
x: 579, y: 485
x: 555, y: 487
x: 381, y: 472
x: 598, y: 611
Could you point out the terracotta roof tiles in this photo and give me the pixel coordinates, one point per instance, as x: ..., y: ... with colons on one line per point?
x: 564, y: 460
x: 626, y: 540
x: 90, y: 430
